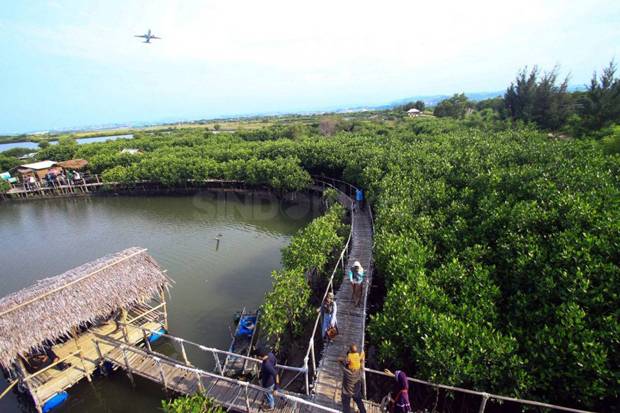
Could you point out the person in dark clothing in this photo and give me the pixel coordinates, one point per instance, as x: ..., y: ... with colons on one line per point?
x: 268, y: 376
x: 351, y: 387
x: 400, y: 395
x: 40, y: 359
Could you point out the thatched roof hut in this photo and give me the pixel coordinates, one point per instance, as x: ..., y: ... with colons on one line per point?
x: 74, y: 164
x: 52, y: 307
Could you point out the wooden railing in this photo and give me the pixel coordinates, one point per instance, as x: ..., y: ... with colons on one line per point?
x: 160, y: 359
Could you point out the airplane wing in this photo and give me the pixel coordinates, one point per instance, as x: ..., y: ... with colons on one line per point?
x: 155, y: 37
x: 140, y: 35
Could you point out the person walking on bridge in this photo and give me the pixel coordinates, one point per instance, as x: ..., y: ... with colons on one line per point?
x: 356, y: 277
x: 352, y: 381
x: 328, y: 310
x: 268, y: 377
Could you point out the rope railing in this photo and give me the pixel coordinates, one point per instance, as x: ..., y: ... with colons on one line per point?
x: 160, y: 359
x: 310, y: 353
x: 206, y: 349
x: 484, y: 395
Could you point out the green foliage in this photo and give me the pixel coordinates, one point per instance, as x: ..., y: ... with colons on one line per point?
x: 455, y: 107
x: 498, y: 247
x: 4, y: 185
x: 8, y: 162
x: 535, y: 97
x: 499, y: 251
x: 287, y: 306
x: 600, y: 105
x: 17, y: 152
x: 64, y: 150
x: 196, y: 403
x: 611, y: 140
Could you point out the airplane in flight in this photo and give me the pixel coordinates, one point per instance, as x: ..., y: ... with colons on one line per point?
x: 148, y: 36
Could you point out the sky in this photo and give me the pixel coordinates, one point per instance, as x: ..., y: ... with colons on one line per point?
x: 75, y: 63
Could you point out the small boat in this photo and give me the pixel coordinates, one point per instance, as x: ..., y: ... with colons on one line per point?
x: 242, y: 342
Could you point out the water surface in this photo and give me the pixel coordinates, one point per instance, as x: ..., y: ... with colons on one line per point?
x: 44, y: 238
x: 35, y: 145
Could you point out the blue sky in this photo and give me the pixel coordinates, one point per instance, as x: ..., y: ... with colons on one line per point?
x: 75, y: 63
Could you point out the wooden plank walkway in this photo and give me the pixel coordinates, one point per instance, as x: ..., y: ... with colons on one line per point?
x: 351, y: 319
x: 177, y: 377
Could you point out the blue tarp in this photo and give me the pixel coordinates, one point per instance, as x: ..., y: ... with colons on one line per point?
x: 246, y: 325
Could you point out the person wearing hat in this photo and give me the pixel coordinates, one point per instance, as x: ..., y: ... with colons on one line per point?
x: 329, y: 309
x: 356, y: 277
x: 268, y: 376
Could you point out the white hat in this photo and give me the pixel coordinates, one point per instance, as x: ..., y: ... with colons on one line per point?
x: 357, y: 264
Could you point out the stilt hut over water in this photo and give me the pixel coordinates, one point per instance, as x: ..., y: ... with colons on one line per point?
x: 48, y: 331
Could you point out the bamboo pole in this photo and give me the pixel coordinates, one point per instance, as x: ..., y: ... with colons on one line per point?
x: 161, y: 373
x: 247, y: 399
x: 183, y: 353
x: 80, y: 354
x: 127, y: 366
x: 124, y: 324
x: 146, y: 340
x: 163, y: 300
x: 483, y: 403
x: 306, y: 375
x: 100, y: 355
x: 26, y: 379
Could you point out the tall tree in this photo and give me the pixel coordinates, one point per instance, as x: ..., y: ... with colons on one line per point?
x: 535, y: 97
x: 600, y: 105
x: 456, y: 106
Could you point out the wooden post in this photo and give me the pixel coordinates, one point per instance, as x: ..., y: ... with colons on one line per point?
x: 127, y: 366
x: 312, y: 354
x: 100, y: 355
x: 77, y: 345
x: 307, y: 382
x: 201, y: 388
x: 124, y: 325
x: 161, y: 373
x: 483, y: 403
x: 218, y: 364
x: 247, y: 400
x: 146, y: 340
x: 33, y: 392
x: 184, y: 353
x: 163, y: 300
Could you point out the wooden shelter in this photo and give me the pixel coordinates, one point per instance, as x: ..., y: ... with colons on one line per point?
x: 114, y: 296
x: 36, y: 169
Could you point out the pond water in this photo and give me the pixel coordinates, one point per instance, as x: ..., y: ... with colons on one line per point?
x: 82, y: 141
x: 45, y: 238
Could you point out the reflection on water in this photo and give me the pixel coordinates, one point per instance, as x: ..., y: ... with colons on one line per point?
x: 45, y: 238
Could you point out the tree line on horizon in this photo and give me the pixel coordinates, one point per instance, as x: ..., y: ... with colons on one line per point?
x: 542, y: 99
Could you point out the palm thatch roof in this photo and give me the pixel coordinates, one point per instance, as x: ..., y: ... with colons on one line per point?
x: 74, y: 164
x: 51, y: 307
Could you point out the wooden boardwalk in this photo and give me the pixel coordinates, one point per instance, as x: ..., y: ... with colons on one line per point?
x: 181, y: 378
x: 351, y: 319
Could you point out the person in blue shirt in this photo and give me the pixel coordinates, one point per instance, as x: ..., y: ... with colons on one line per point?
x: 359, y: 198
x: 356, y: 277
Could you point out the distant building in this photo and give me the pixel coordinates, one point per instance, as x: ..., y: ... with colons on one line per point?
x: 131, y: 151
x: 414, y: 113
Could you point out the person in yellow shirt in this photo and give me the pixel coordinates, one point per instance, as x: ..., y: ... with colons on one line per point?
x: 355, y: 359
